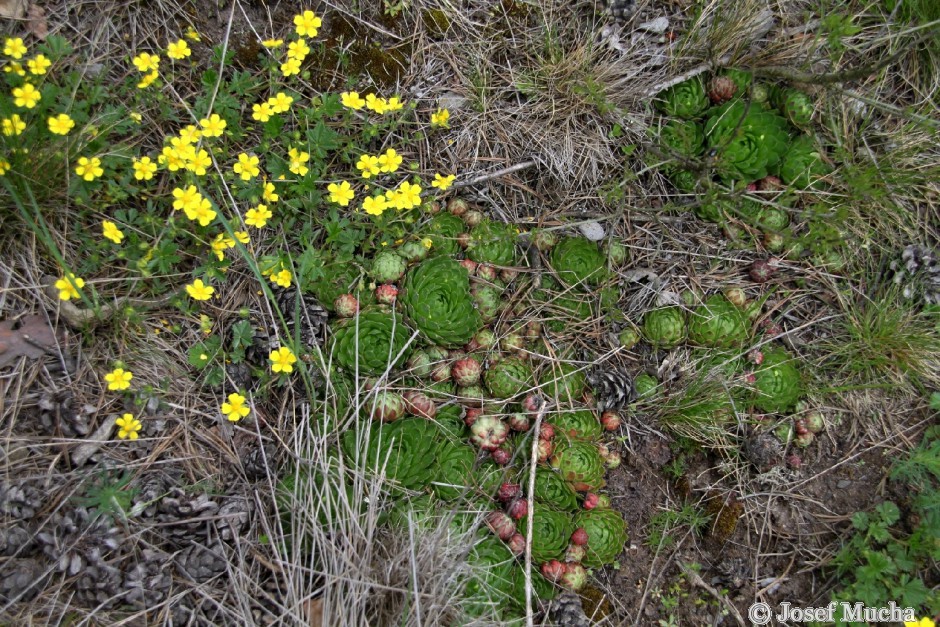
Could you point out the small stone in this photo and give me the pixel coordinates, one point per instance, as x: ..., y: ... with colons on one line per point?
x: 659, y: 26
x: 594, y: 231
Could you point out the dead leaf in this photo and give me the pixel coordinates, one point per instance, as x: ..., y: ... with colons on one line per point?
x: 36, y: 22
x: 13, y: 9
x: 32, y: 338
x: 314, y: 608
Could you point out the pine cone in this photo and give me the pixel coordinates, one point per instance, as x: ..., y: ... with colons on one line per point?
x: 147, y: 581
x: 233, y: 517
x: 613, y: 388
x: 566, y: 611
x: 621, y: 10
x: 149, y: 493
x: 21, y: 577
x: 311, y: 317
x: 257, y: 461
x: 200, y: 563
x: 15, y: 540
x: 99, y: 585
x: 186, y: 515
x: 76, y: 540
x: 59, y: 416
x: 240, y: 376
x: 19, y: 501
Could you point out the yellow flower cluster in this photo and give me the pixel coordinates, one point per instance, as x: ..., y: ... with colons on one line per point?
x: 406, y: 196
x: 148, y: 65
x: 196, y: 207
x: 352, y: 100
x: 279, y: 103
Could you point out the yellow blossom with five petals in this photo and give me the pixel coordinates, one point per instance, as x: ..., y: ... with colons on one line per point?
x: 14, y: 47
x: 374, y: 205
x: 235, y: 409
x: 198, y: 290
x: 341, y: 193
x: 13, y: 125
x: 111, y: 231
x: 258, y: 216
x: 390, y: 161
x: 26, y: 96
x: 128, y: 427
x: 89, y: 169
x: 178, y: 50
x: 443, y: 182
x: 213, y: 126
x: 39, y: 65
x: 247, y: 166
x: 119, y: 379
x: 282, y: 360
x: 440, y: 118
x: 352, y: 99
x: 146, y: 62
x: 68, y: 286
x: 307, y: 24
x: 60, y: 124
x: 369, y: 166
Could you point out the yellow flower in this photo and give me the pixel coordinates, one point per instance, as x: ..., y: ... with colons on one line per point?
x: 258, y: 216
x: 144, y: 168
x: 390, y: 161
x: 394, y: 104
x: 14, y: 68
x: 128, y: 427
x: 376, y: 104
x: 146, y: 62
x: 189, y: 134
x: 409, y: 196
x: 280, y: 102
x: 282, y: 360
x: 201, y: 213
x: 178, y: 50
x: 119, y: 379
x: 198, y: 162
x: 13, y: 125
x: 282, y: 278
x: 14, y: 47
x: 198, y: 290
x: 440, y: 118
x: 4, y: 166
x: 26, y: 96
x: 242, y: 236
x: 261, y: 112
x: 220, y: 244
x: 427, y: 242
x: 61, y: 124
x: 247, y: 166
x: 172, y: 159
x: 290, y: 67
x: 269, y: 194
x: 352, y: 100
x: 924, y: 622
x: 186, y: 198
x: 38, y: 64
x: 192, y: 35
x: 369, y: 166
x: 307, y: 24
x: 213, y: 125
x: 68, y: 286
x: 272, y: 43
x: 111, y: 231
x: 235, y: 409
x: 89, y: 169
x: 298, y: 160
x: 374, y: 205
x: 298, y: 50
x: 341, y: 194
x: 136, y: 116
x: 443, y: 182
x: 148, y: 80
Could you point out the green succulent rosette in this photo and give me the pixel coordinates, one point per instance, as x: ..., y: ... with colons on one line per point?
x: 563, y: 381
x: 453, y: 470
x: 686, y: 100
x: 795, y: 106
x: 435, y: 297
x: 778, y: 383
x: 578, y: 261
x: 381, y: 337
x: 685, y: 181
x: 493, y: 242
x: 337, y: 279
x: 551, y: 489
x: 489, y: 301
x: 607, y: 535
x: 717, y: 323
x: 443, y: 230
x: 490, y: 588
x: 771, y: 219
x: 450, y: 419
x: 803, y: 166
x: 404, y: 451
x: 742, y: 79
x: 748, y: 141
x: 665, y: 327
x: 645, y: 385
x: 508, y: 378
x: 579, y: 463
x: 551, y: 532
x: 579, y: 423
x: 388, y: 266
x: 685, y: 138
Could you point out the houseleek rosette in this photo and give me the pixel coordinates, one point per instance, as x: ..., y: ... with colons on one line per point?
x: 803, y: 165
x: 665, y: 327
x: 454, y: 474
x: 579, y: 463
x: 748, y: 142
x: 778, y: 384
x: 580, y: 423
x: 607, y: 535
x: 563, y: 381
x: 493, y: 242
x: 795, y: 106
x: 443, y: 230
x: 686, y: 100
x: 551, y: 489
x: 404, y: 451
x: 717, y: 323
x: 578, y: 261
x: 685, y: 138
x: 551, y: 531
x: 508, y: 378
x: 435, y: 297
x: 372, y: 338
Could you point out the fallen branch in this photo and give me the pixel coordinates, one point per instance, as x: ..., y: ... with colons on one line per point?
x: 493, y: 175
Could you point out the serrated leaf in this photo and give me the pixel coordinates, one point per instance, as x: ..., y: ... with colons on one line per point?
x: 242, y: 335
x: 860, y: 521
x: 888, y: 512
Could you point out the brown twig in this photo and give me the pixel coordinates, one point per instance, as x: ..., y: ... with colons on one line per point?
x: 494, y: 175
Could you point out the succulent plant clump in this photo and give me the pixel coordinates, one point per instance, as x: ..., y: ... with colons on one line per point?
x: 686, y: 100
x: 607, y: 534
x: 803, y: 165
x: 684, y: 137
x: 436, y: 297
x: 718, y: 323
x: 563, y: 381
x: 578, y: 261
x: 443, y: 230
x: 551, y: 530
x: 580, y: 463
x: 580, y: 423
x: 388, y: 267
x: 778, y: 383
x: 550, y: 488
x: 749, y: 142
x: 721, y: 89
x: 405, y: 450
x: 645, y: 385
x: 665, y: 327
x: 493, y: 242
x: 508, y: 378
x: 381, y: 338
x: 795, y: 106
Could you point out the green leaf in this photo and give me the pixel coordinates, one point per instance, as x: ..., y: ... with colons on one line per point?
x: 242, y: 334
x: 888, y: 512
x: 935, y: 401
x: 202, y: 354
x: 860, y: 521
x: 322, y: 139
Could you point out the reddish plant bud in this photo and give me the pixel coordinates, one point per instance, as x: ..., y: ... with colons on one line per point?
x: 533, y: 330
x: 519, y: 422
x: 804, y: 439
x: 418, y: 404
x: 749, y: 378
x: 472, y: 218
x: 579, y: 537
x: 501, y: 525
x: 815, y: 422
x: 466, y: 371
x: 463, y: 240
x: 590, y: 500
x: 762, y: 271
x: 553, y: 570
x: 508, y: 275
x: 545, y: 450
x: 488, y: 432
x: 751, y: 187
x: 794, y: 461
x: 346, y: 306
x: 756, y: 357
x: 501, y: 456
x: 736, y: 296
x: 770, y: 183
x: 472, y: 414
x: 434, y: 207
x: 516, y: 544
x: 612, y: 460
x: 800, y: 427
x: 458, y: 206
x: 603, y: 501
x: 486, y: 272
x: 508, y: 491
x: 532, y: 403
x: 610, y: 420
x: 386, y: 294
x: 575, y: 577
x: 518, y: 509
x: 547, y: 431
x: 440, y: 372
x: 575, y: 553
x: 469, y: 265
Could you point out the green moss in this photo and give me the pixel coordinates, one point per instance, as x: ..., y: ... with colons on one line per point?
x: 435, y: 22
